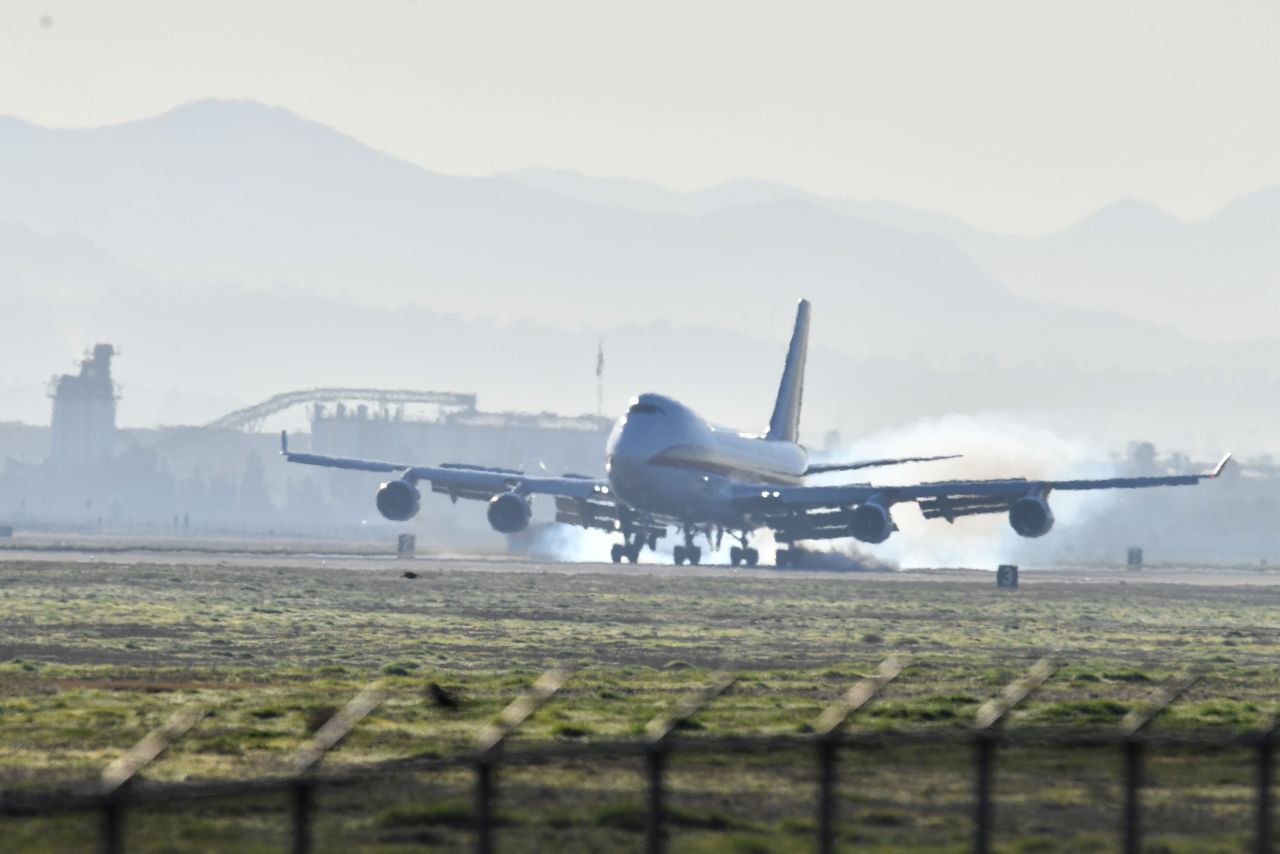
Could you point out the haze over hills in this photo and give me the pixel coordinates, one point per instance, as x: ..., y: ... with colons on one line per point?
x: 1214, y: 280
x: 654, y: 198
x: 1211, y: 280
x: 234, y: 250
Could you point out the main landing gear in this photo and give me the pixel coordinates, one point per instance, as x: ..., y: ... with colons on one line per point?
x: 742, y: 553
x: 630, y: 551
x: 688, y: 552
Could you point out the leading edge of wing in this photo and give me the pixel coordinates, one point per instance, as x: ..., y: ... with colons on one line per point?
x: 349, y: 463
x: 460, y: 476
x: 1140, y: 482
x: 751, y: 497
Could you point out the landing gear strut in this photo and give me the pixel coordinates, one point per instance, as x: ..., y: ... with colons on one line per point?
x: 638, y: 530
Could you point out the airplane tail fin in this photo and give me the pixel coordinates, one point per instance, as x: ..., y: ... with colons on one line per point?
x: 784, y: 424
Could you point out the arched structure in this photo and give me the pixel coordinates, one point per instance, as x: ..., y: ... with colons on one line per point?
x: 251, y: 416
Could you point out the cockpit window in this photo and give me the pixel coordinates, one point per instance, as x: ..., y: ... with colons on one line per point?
x: 644, y: 409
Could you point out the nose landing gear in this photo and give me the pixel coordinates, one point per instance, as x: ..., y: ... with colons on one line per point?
x: 637, y: 532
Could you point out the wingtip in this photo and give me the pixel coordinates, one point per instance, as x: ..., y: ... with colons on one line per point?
x: 284, y: 442
x: 1222, y: 463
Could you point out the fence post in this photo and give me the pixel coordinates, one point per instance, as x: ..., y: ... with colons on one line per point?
x: 659, y: 732
x: 990, y: 718
x: 1132, y: 840
x: 655, y: 760
x: 117, y: 776
x: 489, y: 741
x: 1265, y: 757
x: 826, y: 795
x: 112, y: 827
x: 484, y: 805
x: 300, y: 811
x: 827, y: 727
x: 308, y: 757
x: 1133, y: 726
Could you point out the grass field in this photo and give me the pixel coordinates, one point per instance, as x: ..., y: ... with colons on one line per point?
x: 97, y: 654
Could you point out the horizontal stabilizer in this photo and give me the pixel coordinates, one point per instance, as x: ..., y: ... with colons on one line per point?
x: 822, y: 468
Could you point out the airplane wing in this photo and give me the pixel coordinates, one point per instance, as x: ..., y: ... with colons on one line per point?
x: 464, y: 481
x: 820, y: 512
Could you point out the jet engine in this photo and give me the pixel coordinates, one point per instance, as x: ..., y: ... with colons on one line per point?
x: 398, y: 500
x: 1031, y: 516
x: 871, y: 523
x: 509, y: 513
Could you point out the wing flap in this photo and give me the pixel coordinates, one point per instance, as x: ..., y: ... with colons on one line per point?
x: 585, y: 513
x: 815, y: 524
x: 602, y: 513
x: 945, y: 507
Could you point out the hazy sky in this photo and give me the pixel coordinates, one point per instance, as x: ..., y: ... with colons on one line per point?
x: 1018, y: 116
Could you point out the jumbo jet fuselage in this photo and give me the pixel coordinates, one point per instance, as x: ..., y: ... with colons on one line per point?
x: 663, y: 458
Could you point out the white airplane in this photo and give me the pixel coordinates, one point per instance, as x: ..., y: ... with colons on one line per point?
x: 667, y: 466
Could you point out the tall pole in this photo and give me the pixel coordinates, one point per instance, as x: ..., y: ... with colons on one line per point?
x: 600, y: 379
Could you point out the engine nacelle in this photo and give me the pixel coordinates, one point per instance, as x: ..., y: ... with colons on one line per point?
x: 398, y: 500
x: 871, y: 523
x: 509, y: 513
x: 1031, y: 516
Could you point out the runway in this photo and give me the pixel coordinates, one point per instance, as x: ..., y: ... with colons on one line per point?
x: 370, y: 556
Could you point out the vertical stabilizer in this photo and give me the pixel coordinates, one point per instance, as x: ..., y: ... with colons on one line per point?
x: 784, y: 425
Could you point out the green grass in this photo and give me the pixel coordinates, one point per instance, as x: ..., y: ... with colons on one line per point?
x: 94, y: 656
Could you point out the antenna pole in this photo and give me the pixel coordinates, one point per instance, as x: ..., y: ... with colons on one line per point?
x: 600, y: 379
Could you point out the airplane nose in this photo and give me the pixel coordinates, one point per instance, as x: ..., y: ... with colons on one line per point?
x: 626, y: 456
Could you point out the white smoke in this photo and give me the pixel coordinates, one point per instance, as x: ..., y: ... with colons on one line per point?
x: 553, y: 541
x: 994, y: 446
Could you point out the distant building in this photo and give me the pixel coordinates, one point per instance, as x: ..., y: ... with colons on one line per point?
x: 532, y: 442
x: 83, y: 430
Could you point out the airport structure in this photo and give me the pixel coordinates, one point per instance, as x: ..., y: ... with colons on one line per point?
x: 84, y: 470
x: 83, y: 427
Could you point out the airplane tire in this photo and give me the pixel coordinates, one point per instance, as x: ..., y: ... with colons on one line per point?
x: 735, y: 556
x: 616, y: 552
x: 783, y: 560
x: 678, y: 554
x: 750, y: 557
x: 633, y: 553
x: 694, y: 554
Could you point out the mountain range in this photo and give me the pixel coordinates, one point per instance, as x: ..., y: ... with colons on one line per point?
x: 239, y: 249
